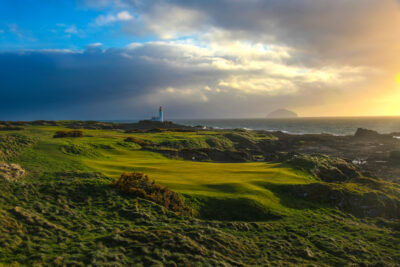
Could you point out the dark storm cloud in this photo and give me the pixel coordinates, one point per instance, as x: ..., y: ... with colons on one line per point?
x: 125, y: 83
x: 68, y: 82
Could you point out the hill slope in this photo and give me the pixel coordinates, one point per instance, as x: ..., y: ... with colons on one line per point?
x: 66, y: 211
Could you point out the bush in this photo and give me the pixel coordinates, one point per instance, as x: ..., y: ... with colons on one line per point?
x: 62, y: 134
x: 139, y: 185
x: 140, y: 142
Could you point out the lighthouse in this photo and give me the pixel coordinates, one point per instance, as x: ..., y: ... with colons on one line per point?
x: 161, y: 114
x: 160, y: 117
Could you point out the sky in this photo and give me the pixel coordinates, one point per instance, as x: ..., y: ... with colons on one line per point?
x: 122, y: 59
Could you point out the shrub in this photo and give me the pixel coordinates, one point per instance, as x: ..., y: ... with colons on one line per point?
x: 62, y: 134
x: 140, y: 142
x: 139, y: 185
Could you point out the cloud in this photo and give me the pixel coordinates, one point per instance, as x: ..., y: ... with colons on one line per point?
x: 107, y: 19
x: 71, y: 30
x: 359, y: 32
x: 360, y: 36
x: 102, y: 3
x: 13, y: 28
x: 22, y: 34
x: 95, y: 45
x: 190, y: 79
x: 124, y: 15
x: 212, y: 58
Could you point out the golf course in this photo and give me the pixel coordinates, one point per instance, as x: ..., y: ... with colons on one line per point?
x: 254, y: 212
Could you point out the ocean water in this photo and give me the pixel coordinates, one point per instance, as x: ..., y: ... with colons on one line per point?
x: 335, y: 126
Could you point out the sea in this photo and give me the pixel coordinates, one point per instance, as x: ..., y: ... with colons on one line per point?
x: 334, y: 126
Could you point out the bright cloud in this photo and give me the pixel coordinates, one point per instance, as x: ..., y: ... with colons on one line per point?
x: 107, y: 19
x: 95, y: 45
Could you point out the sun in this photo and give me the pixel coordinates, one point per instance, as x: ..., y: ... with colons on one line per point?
x: 398, y: 78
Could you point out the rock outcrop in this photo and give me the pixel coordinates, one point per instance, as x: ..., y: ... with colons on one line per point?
x: 365, y: 133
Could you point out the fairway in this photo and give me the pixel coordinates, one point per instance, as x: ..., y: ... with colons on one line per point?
x: 189, y: 177
x: 105, y: 151
x: 221, y: 180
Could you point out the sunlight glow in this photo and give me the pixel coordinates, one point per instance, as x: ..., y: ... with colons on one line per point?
x: 398, y: 78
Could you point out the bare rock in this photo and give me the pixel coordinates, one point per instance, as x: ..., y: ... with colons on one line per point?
x: 365, y: 133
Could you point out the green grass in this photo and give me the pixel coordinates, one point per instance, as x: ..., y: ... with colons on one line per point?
x: 221, y: 180
x: 67, y: 213
x: 103, y: 152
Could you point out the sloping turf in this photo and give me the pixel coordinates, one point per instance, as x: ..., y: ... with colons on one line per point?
x: 105, y: 151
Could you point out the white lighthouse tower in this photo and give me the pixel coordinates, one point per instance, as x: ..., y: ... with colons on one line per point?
x: 161, y: 114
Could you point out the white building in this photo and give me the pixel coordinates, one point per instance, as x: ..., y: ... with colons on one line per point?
x: 160, y: 116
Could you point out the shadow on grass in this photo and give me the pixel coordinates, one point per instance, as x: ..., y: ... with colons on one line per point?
x: 227, y: 187
x: 230, y: 209
x: 285, y: 193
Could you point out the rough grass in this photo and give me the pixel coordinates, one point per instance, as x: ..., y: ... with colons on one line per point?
x: 66, y: 212
x: 79, y: 219
x: 12, y: 145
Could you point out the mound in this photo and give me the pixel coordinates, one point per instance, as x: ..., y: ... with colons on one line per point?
x: 360, y: 204
x: 10, y: 172
x: 140, y: 142
x: 326, y: 168
x: 139, y: 185
x: 242, y: 140
x: 80, y: 149
x: 13, y: 144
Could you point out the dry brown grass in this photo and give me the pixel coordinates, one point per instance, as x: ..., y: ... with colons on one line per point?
x: 139, y: 185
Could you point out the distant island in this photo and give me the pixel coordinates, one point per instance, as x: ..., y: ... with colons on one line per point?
x: 282, y: 113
